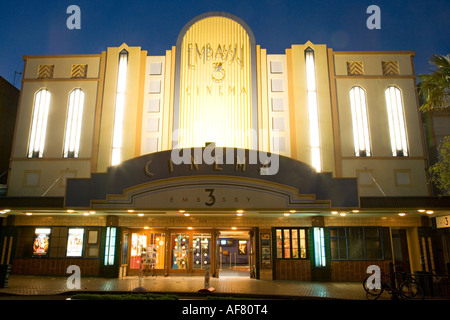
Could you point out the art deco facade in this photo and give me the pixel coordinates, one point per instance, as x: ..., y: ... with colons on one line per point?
x: 219, y: 154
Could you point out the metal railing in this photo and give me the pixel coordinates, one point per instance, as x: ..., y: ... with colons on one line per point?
x: 434, y: 285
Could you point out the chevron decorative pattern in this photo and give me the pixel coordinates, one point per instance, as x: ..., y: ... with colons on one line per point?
x: 79, y: 71
x: 45, y: 71
x: 355, y: 68
x: 390, y: 68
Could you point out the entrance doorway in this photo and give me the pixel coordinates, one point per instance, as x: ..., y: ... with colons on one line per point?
x: 143, y: 249
x: 234, y: 254
x: 400, y: 246
x: 189, y: 251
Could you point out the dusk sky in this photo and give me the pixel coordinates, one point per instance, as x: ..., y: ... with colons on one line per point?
x: 39, y: 27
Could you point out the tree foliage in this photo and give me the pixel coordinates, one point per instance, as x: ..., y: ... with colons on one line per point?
x: 440, y: 171
x: 435, y: 87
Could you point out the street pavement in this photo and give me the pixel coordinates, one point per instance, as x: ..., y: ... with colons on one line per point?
x: 188, y: 286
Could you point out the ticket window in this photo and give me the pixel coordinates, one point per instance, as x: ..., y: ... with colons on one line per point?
x: 150, y: 248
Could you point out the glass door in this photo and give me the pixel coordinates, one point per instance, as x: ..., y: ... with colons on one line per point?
x: 190, y: 251
x: 201, y: 251
x: 180, y: 245
x: 147, y: 251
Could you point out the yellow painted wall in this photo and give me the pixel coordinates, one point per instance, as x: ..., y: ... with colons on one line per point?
x: 299, y: 105
x: 133, y: 103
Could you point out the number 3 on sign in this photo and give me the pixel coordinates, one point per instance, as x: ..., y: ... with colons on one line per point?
x: 212, y: 199
x: 443, y: 222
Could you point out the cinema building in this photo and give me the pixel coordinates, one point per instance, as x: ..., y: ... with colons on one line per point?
x: 306, y: 165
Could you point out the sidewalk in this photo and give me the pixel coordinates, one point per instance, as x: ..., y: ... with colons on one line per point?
x: 276, y: 289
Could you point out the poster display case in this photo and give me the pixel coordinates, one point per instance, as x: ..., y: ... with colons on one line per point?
x: 75, y: 242
x: 41, y: 242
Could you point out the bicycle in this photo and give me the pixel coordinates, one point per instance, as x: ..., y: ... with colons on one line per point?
x: 400, y: 284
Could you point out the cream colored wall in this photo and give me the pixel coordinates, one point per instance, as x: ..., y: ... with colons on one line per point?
x: 153, y: 108
x: 372, y: 62
x: 377, y: 114
x: 133, y: 105
x: 50, y: 176
x: 63, y: 65
x: 278, y: 114
x: 54, y: 142
x: 298, y: 102
x: 51, y: 166
x: 382, y: 164
x: 383, y: 171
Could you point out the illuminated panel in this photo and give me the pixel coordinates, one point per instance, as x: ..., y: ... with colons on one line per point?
x: 313, y: 110
x: 215, y: 85
x: 319, y: 248
x: 73, y: 124
x: 39, y: 124
x: 120, y: 105
x: 110, y: 246
x: 396, y: 118
x: 360, y: 123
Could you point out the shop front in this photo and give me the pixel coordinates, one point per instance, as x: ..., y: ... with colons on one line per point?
x: 193, y: 214
x: 185, y: 251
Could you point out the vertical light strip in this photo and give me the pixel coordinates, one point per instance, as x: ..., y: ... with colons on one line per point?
x: 360, y: 122
x: 319, y: 247
x: 396, y: 119
x: 110, y: 246
x: 39, y: 124
x: 73, y: 124
x: 120, y: 106
x: 107, y: 245
x: 313, y: 110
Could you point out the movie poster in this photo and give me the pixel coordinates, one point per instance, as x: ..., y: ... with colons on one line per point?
x: 41, y: 241
x: 75, y: 243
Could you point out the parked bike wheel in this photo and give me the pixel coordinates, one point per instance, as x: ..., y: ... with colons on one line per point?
x: 411, y: 291
x: 373, y: 293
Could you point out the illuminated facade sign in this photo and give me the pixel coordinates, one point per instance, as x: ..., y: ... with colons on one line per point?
x: 215, y: 84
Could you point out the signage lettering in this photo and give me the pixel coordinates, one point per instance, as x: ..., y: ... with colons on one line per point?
x: 219, y: 90
x: 223, y: 53
x: 212, y: 199
x: 443, y: 222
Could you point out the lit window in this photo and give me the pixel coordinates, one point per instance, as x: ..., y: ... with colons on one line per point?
x: 290, y: 243
x: 396, y: 118
x: 73, y: 124
x: 319, y: 248
x: 39, y: 124
x: 120, y: 106
x: 360, y: 122
x: 313, y: 109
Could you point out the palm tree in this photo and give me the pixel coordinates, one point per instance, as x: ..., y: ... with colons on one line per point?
x: 435, y: 87
x: 435, y: 91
